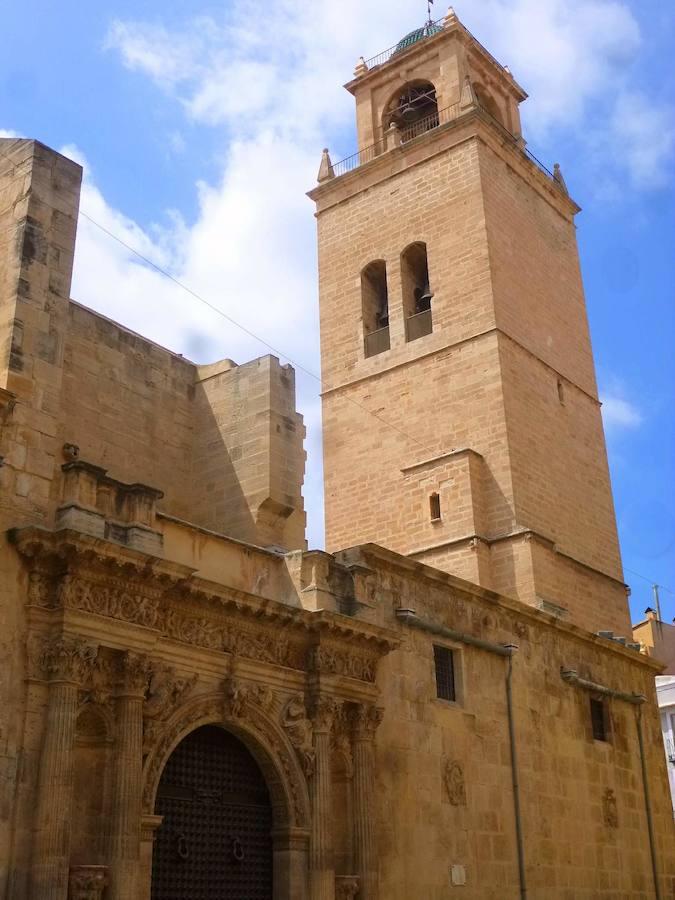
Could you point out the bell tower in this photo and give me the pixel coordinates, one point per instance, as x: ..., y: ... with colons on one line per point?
x: 461, y: 419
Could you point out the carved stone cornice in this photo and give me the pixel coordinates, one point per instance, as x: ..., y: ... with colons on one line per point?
x: 366, y: 719
x: 66, y: 659
x: 74, y: 571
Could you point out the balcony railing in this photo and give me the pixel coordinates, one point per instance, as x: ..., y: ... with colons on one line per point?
x: 386, y: 55
x: 417, y: 325
x: 429, y: 123
x: 376, y: 342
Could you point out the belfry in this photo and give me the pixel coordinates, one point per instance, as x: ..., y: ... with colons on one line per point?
x: 452, y: 309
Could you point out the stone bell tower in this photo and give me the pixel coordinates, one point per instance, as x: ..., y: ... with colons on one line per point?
x: 461, y: 417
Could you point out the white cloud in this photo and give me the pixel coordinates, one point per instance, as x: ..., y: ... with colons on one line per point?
x: 7, y: 133
x: 272, y: 83
x: 619, y: 413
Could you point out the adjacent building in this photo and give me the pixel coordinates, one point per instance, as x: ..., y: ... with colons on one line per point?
x: 195, y: 705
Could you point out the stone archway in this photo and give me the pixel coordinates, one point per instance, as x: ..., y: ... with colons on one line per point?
x: 277, y: 761
x: 215, y: 840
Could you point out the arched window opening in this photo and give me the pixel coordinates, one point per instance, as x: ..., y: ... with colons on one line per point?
x: 417, y: 293
x: 375, y: 305
x: 414, y: 110
x: 488, y: 103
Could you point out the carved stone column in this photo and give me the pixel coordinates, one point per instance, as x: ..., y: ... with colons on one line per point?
x: 322, y: 876
x: 367, y: 717
x: 64, y: 661
x: 125, y: 820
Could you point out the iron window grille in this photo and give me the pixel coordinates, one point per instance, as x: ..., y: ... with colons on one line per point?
x: 445, y: 673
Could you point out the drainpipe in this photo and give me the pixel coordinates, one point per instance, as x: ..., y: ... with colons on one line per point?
x: 505, y: 650
x: 514, y: 779
x: 636, y: 700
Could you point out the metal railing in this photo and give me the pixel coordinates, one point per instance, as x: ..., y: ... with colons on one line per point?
x: 386, y: 55
x: 376, y: 342
x: 359, y: 158
x: 430, y: 123
x: 417, y: 325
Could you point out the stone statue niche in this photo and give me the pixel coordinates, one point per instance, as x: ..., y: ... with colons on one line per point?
x: 90, y: 788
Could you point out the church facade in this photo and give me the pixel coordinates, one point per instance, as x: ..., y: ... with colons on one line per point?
x: 193, y: 705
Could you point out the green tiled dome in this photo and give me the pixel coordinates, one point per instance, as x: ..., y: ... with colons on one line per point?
x: 417, y: 35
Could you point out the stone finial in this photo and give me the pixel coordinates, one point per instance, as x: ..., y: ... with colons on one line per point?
x: 508, y: 71
x: 326, y: 168
x: 468, y: 95
x: 361, y: 68
x: 450, y: 17
x: 559, y: 180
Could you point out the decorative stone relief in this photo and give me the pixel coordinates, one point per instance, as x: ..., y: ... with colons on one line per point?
x: 210, y: 709
x: 610, y: 812
x: 236, y: 696
x: 453, y: 779
x: 346, y: 887
x: 134, y: 673
x: 342, y: 661
x: 109, y: 600
x: 63, y: 658
x: 366, y: 719
x: 164, y: 693
x: 299, y: 730
x: 87, y: 882
x: 324, y: 710
x: 341, y: 744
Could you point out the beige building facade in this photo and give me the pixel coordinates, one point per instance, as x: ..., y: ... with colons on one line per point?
x: 194, y: 706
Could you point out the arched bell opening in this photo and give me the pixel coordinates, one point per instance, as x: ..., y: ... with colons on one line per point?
x: 417, y: 293
x: 488, y: 103
x: 215, y: 841
x: 413, y: 109
x: 375, y: 307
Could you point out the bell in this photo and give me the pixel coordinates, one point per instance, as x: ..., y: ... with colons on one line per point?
x: 408, y: 113
x: 423, y: 297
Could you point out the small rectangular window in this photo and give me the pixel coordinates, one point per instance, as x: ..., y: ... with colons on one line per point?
x: 434, y: 507
x: 445, y: 673
x: 598, y: 719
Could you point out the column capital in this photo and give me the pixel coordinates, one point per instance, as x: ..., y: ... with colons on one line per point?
x: 323, y: 711
x: 87, y: 882
x: 133, y: 672
x: 67, y: 659
x: 366, y: 718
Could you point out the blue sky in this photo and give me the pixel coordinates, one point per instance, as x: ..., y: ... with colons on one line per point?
x: 201, y: 125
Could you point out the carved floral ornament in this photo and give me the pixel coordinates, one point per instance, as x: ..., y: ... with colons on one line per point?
x: 63, y: 658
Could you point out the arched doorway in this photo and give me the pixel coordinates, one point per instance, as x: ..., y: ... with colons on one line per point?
x: 215, y: 840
